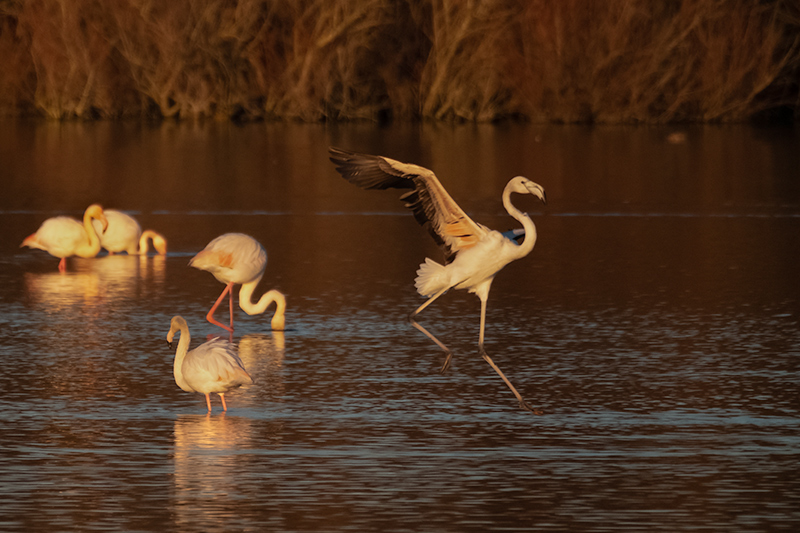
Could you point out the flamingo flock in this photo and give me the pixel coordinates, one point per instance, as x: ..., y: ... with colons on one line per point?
x: 473, y: 255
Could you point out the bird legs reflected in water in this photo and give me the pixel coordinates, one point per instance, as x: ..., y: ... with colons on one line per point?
x: 449, y: 354
x: 428, y: 334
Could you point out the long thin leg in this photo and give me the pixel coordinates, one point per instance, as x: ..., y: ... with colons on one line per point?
x: 210, y: 316
x: 522, y: 402
x: 62, y: 265
x: 208, y: 402
x: 230, y: 303
x: 222, y: 397
x: 428, y: 334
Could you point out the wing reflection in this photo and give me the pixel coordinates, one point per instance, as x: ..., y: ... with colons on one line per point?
x: 262, y: 355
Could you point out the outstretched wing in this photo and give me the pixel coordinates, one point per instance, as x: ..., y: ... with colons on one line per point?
x: 433, y: 208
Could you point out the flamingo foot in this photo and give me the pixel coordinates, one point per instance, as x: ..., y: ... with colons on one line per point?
x: 214, y: 321
x: 522, y: 403
x: 446, y: 365
x: 528, y: 407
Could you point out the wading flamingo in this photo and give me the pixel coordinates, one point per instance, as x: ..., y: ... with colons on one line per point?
x: 474, y: 254
x: 236, y: 258
x: 64, y: 236
x: 124, y: 234
x: 211, y: 367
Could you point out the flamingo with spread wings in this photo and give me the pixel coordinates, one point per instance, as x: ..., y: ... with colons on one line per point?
x: 474, y: 254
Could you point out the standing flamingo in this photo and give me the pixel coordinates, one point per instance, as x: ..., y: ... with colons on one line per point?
x: 124, y: 234
x: 64, y: 236
x: 474, y: 254
x: 238, y: 258
x: 211, y: 367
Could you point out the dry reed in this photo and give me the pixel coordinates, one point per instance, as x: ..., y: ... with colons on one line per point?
x: 543, y: 60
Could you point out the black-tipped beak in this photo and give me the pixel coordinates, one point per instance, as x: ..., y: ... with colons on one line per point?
x: 169, y: 344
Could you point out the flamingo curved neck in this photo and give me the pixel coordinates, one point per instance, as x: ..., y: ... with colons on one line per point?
x: 530, y: 228
x: 247, y: 305
x: 180, y: 355
x: 92, y: 248
x: 159, y: 243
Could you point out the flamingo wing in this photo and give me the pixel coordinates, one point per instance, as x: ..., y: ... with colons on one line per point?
x: 122, y: 234
x: 214, y: 367
x: 59, y: 236
x: 432, y: 206
x: 232, y: 257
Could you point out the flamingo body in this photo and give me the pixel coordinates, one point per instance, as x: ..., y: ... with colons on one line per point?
x: 239, y: 259
x: 474, y: 254
x: 124, y: 234
x: 64, y: 237
x: 212, y: 367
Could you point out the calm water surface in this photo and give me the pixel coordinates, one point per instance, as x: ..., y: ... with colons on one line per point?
x: 655, y: 324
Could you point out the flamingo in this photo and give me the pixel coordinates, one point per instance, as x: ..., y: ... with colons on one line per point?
x: 213, y: 366
x: 125, y: 235
x: 64, y: 236
x: 236, y: 258
x: 474, y: 254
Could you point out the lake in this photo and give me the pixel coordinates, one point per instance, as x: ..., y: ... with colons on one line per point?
x: 656, y: 324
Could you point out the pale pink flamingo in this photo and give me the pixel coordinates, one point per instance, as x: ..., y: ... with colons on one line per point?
x: 474, y: 254
x: 213, y: 366
x: 64, y: 236
x: 236, y: 258
x: 124, y: 234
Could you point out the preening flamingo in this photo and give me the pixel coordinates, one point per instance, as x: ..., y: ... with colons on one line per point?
x: 124, y: 234
x: 474, y: 254
x: 213, y: 366
x: 236, y: 258
x: 64, y: 236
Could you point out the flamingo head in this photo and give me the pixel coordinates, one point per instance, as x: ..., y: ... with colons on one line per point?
x: 176, y: 324
x: 96, y: 212
x: 523, y: 185
x: 160, y: 244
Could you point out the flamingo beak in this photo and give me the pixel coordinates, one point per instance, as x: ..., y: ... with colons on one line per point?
x: 536, y: 190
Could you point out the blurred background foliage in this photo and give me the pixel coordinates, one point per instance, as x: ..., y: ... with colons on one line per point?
x: 605, y: 61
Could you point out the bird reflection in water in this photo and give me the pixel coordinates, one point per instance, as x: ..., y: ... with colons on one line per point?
x: 211, y: 455
x: 262, y: 355
x: 104, y: 279
x: 206, y: 464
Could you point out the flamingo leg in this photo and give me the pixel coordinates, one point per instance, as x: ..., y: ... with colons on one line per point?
x: 522, y: 402
x: 230, y: 302
x: 222, y: 397
x: 210, y: 316
x: 62, y: 265
x: 208, y: 401
x: 428, y: 334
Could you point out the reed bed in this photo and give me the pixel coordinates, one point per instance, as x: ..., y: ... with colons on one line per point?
x: 476, y: 60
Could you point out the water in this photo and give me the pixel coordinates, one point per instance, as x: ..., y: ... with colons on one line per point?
x: 655, y: 324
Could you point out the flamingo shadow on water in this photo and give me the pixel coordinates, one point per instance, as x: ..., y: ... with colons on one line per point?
x: 474, y: 253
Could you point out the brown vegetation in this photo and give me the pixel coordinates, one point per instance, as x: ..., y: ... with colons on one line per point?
x: 543, y: 60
